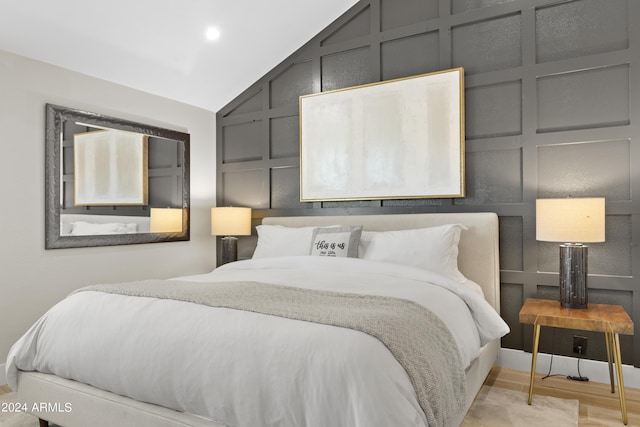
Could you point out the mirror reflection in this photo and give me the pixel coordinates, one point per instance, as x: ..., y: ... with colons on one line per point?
x: 113, y: 182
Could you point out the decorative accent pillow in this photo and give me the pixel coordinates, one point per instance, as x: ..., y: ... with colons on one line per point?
x: 336, y: 241
x: 278, y: 240
x: 433, y: 248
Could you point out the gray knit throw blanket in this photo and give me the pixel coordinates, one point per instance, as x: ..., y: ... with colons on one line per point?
x: 417, y: 338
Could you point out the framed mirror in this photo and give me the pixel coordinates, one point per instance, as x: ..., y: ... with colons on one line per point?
x: 111, y: 181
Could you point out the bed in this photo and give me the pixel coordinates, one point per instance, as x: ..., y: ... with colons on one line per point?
x: 267, y: 378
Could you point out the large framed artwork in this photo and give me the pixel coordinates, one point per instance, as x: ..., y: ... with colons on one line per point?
x: 398, y: 139
x: 110, y: 168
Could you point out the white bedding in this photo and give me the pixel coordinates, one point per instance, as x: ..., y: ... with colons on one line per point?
x: 257, y: 370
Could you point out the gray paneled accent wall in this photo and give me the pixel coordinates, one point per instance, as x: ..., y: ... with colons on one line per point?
x: 550, y: 112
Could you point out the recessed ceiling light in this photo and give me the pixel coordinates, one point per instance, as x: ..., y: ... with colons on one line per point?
x: 212, y: 34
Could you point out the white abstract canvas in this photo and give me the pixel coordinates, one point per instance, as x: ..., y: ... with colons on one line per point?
x: 391, y: 140
x: 110, y: 168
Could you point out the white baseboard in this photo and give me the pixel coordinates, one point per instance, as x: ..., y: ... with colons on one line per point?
x: 3, y: 376
x: 595, y: 370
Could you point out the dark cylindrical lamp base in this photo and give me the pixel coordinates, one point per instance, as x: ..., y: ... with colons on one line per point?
x: 229, y: 249
x: 573, y: 275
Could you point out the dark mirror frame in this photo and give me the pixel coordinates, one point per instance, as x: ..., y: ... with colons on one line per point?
x: 55, y: 118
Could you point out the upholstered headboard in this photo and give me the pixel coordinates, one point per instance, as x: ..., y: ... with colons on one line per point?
x: 478, y: 257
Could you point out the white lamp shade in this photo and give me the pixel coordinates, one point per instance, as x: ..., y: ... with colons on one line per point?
x: 166, y: 220
x: 570, y: 220
x: 230, y: 221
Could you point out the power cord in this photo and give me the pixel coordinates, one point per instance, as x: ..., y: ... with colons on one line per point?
x: 553, y: 340
x: 579, y: 377
x: 571, y: 377
x: 549, y: 374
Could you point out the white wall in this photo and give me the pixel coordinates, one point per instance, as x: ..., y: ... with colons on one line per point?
x: 33, y: 279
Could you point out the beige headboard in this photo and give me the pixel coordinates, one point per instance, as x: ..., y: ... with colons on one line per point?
x: 478, y: 249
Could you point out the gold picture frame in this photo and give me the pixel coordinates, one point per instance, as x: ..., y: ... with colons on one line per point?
x: 397, y: 139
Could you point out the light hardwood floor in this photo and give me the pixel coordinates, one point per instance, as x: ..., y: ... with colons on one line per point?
x: 598, y: 406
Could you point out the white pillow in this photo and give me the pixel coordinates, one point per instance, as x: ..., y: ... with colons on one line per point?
x: 434, y: 248
x: 81, y: 228
x: 277, y: 240
x: 66, y: 228
x: 336, y: 241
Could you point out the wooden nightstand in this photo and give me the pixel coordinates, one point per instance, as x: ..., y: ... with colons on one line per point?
x: 610, y: 319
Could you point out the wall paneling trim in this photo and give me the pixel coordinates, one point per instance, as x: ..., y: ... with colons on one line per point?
x: 552, y: 110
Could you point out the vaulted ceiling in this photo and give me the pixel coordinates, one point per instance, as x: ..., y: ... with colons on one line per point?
x: 159, y: 46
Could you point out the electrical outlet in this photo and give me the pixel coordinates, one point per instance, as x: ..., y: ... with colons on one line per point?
x: 579, y: 344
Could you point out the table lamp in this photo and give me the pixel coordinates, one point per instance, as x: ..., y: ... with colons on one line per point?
x: 230, y: 222
x: 572, y: 222
x: 165, y: 220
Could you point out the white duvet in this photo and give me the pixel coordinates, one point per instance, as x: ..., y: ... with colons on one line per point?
x: 247, y: 369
